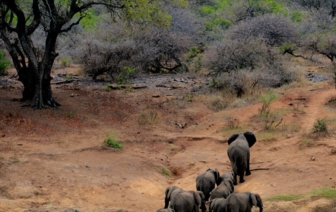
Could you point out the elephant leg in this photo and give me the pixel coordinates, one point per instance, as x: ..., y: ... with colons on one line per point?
x: 248, y: 172
x: 241, y: 178
x: 235, y: 178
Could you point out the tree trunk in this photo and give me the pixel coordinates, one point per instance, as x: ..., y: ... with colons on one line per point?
x: 28, y: 80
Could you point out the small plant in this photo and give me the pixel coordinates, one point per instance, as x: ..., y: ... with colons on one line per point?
x: 108, y: 87
x: 70, y: 114
x: 166, y: 172
x: 112, y: 142
x: 4, y: 64
x: 148, y: 118
x: 65, y: 61
x: 193, y: 52
x: 306, y: 142
x: 68, y: 76
x: 266, y: 100
x: 124, y: 75
x: 189, y: 97
x: 320, y: 126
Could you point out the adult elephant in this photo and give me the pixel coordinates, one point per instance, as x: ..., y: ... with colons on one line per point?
x: 218, y: 205
x: 207, y: 181
x: 239, y: 154
x: 170, y: 193
x: 188, y: 201
x: 225, y: 188
x: 243, y: 202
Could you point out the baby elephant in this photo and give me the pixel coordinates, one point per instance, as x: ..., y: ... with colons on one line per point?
x: 207, y: 181
x: 243, y: 202
x: 188, y: 201
x: 165, y: 210
x: 225, y: 188
x: 218, y: 205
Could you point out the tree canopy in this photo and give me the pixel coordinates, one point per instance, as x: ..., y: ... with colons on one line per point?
x: 20, y: 19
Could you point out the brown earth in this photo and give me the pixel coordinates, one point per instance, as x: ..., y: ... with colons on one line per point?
x: 56, y: 160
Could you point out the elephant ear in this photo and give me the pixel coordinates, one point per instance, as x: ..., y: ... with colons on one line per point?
x: 253, y: 199
x: 197, y: 197
x: 232, y: 138
x: 250, y: 137
x: 217, y: 176
x: 169, y: 191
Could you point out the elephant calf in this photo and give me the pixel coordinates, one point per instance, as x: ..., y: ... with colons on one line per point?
x: 207, y: 181
x: 188, y: 201
x: 220, y: 191
x: 218, y: 205
x: 239, y: 154
x: 237, y: 202
x: 170, y: 193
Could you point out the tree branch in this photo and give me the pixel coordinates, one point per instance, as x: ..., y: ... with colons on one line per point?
x: 37, y: 18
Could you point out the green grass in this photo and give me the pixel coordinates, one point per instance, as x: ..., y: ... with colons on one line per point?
x: 285, y: 197
x: 328, y: 193
x: 166, y: 172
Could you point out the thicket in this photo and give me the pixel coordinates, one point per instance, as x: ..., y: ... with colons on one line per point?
x: 240, y: 43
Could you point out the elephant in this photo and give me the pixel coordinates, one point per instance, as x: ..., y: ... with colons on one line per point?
x: 207, y: 181
x: 228, y: 179
x: 165, y: 210
x: 170, y: 193
x: 188, y: 201
x: 243, y: 202
x: 239, y: 154
x: 218, y: 205
x: 225, y: 188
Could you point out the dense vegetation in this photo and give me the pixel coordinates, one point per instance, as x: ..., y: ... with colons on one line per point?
x: 241, y: 43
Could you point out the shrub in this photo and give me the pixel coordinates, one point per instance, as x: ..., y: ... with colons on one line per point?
x: 320, y: 126
x: 274, y: 29
x: 4, y: 64
x: 112, y: 142
x: 65, y: 61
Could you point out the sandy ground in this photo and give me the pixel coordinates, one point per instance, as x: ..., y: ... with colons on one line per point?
x: 56, y: 160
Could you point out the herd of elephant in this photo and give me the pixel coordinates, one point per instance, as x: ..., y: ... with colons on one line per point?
x: 215, y: 190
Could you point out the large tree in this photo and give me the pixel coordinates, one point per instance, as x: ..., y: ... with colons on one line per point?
x: 19, y: 19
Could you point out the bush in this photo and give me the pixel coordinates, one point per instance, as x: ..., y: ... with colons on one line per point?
x: 274, y: 29
x: 65, y: 61
x: 4, y: 64
x: 112, y: 142
x: 320, y: 126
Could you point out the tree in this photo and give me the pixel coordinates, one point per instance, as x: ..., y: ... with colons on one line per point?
x: 19, y: 19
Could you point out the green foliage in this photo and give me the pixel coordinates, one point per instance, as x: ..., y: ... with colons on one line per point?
x: 65, y: 61
x: 285, y: 197
x: 266, y: 100
x: 166, y: 172
x: 296, y: 16
x: 320, y: 126
x: 4, y: 64
x: 193, y: 52
x: 287, y: 48
x: 112, y: 142
x: 91, y: 19
x: 217, y: 22
x: 108, y: 87
x: 150, y: 11
x: 124, y: 75
x: 328, y: 192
